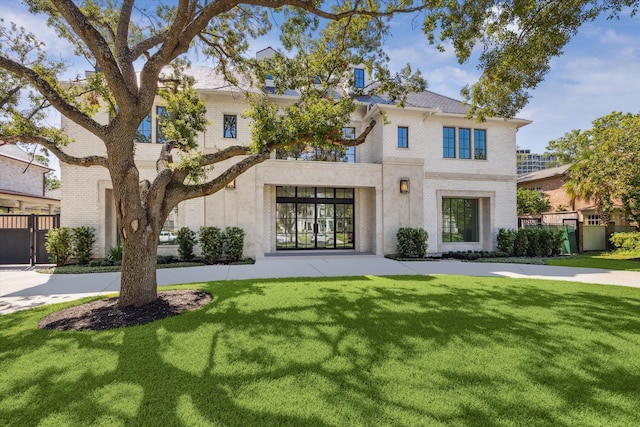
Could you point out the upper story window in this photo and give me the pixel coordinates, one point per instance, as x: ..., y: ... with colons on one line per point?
x: 480, y: 144
x: 470, y: 143
x: 143, y: 134
x: 350, y: 152
x: 403, y: 137
x: 464, y: 143
x: 449, y: 142
x: 230, y: 126
x: 358, y: 75
x: 160, y: 112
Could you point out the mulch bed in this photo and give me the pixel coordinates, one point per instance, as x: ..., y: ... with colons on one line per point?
x: 105, y: 314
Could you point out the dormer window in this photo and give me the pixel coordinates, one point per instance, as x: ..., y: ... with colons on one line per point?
x: 358, y: 75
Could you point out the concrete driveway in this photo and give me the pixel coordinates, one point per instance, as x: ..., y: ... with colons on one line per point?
x: 22, y: 287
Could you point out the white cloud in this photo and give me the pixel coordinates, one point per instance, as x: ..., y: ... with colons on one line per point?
x: 36, y: 24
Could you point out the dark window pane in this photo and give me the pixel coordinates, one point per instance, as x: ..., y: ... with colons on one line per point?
x: 480, y: 144
x: 460, y: 221
x: 464, y: 143
x: 143, y: 134
x: 161, y: 114
x: 230, y: 126
x: 403, y: 137
x: 448, y: 142
x: 358, y: 74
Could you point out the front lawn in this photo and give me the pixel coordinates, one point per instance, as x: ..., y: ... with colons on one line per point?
x: 395, y: 351
x: 616, y: 260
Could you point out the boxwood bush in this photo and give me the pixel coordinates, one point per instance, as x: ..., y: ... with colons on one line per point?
x: 212, y: 243
x: 186, y: 240
x: 412, y: 242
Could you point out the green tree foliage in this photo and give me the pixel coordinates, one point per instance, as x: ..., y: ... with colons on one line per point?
x: 322, y: 40
x: 531, y: 202
x: 606, y: 163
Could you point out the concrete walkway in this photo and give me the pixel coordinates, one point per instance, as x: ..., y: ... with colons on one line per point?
x: 22, y: 287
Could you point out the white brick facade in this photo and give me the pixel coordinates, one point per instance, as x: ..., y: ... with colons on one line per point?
x: 379, y: 208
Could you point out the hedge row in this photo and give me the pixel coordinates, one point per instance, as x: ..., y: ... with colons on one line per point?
x: 530, y: 242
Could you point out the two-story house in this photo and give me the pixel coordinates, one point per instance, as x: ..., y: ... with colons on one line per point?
x: 428, y: 166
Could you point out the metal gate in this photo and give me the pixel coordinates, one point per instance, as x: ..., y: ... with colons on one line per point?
x: 22, y: 237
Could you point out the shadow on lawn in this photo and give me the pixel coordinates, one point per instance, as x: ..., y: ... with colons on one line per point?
x: 396, y: 351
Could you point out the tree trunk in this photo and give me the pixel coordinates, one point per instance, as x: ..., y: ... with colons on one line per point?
x: 138, y: 284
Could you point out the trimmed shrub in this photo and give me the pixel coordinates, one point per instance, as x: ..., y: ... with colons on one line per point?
x: 412, y: 242
x: 505, y: 240
x: 234, y: 237
x: 212, y: 243
x: 186, y: 240
x: 537, y: 242
x: 521, y: 243
x: 164, y: 259
x: 628, y: 241
x: 59, y: 245
x: 83, y: 240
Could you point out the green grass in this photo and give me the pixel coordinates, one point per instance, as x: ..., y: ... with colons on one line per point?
x: 86, y: 269
x: 394, y: 351
x: 617, y: 260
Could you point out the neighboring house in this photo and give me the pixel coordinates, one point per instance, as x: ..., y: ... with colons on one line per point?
x: 551, y: 181
x: 429, y: 167
x: 22, y: 183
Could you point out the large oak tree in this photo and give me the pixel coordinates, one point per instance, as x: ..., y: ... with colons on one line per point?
x: 323, y: 40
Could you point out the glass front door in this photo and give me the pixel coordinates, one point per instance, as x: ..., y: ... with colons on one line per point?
x: 314, y: 218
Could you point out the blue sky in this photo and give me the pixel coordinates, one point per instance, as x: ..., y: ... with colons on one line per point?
x: 598, y: 73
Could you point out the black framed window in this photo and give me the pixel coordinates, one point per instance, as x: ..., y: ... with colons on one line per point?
x: 480, y: 144
x: 349, y: 156
x: 358, y: 75
x: 464, y: 143
x: 230, y: 126
x: 314, y: 218
x: 143, y: 134
x: 460, y: 221
x: 161, y: 113
x: 449, y: 142
x: 403, y: 137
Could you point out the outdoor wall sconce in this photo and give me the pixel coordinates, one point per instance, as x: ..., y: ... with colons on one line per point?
x: 232, y: 184
x: 404, y: 185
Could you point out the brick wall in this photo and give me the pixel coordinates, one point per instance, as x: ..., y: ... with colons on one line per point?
x: 17, y: 177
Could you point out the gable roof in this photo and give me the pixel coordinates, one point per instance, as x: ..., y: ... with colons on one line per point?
x: 14, y: 152
x: 544, y: 173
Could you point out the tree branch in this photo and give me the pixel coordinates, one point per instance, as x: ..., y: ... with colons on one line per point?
x: 123, y: 53
x: 143, y: 46
x: 98, y: 46
x: 61, y: 155
x: 178, y: 191
x: 52, y: 95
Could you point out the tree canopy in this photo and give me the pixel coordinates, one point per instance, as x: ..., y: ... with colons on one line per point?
x: 531, y: 202
x: 606, y: 163
x: 140, y: 50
